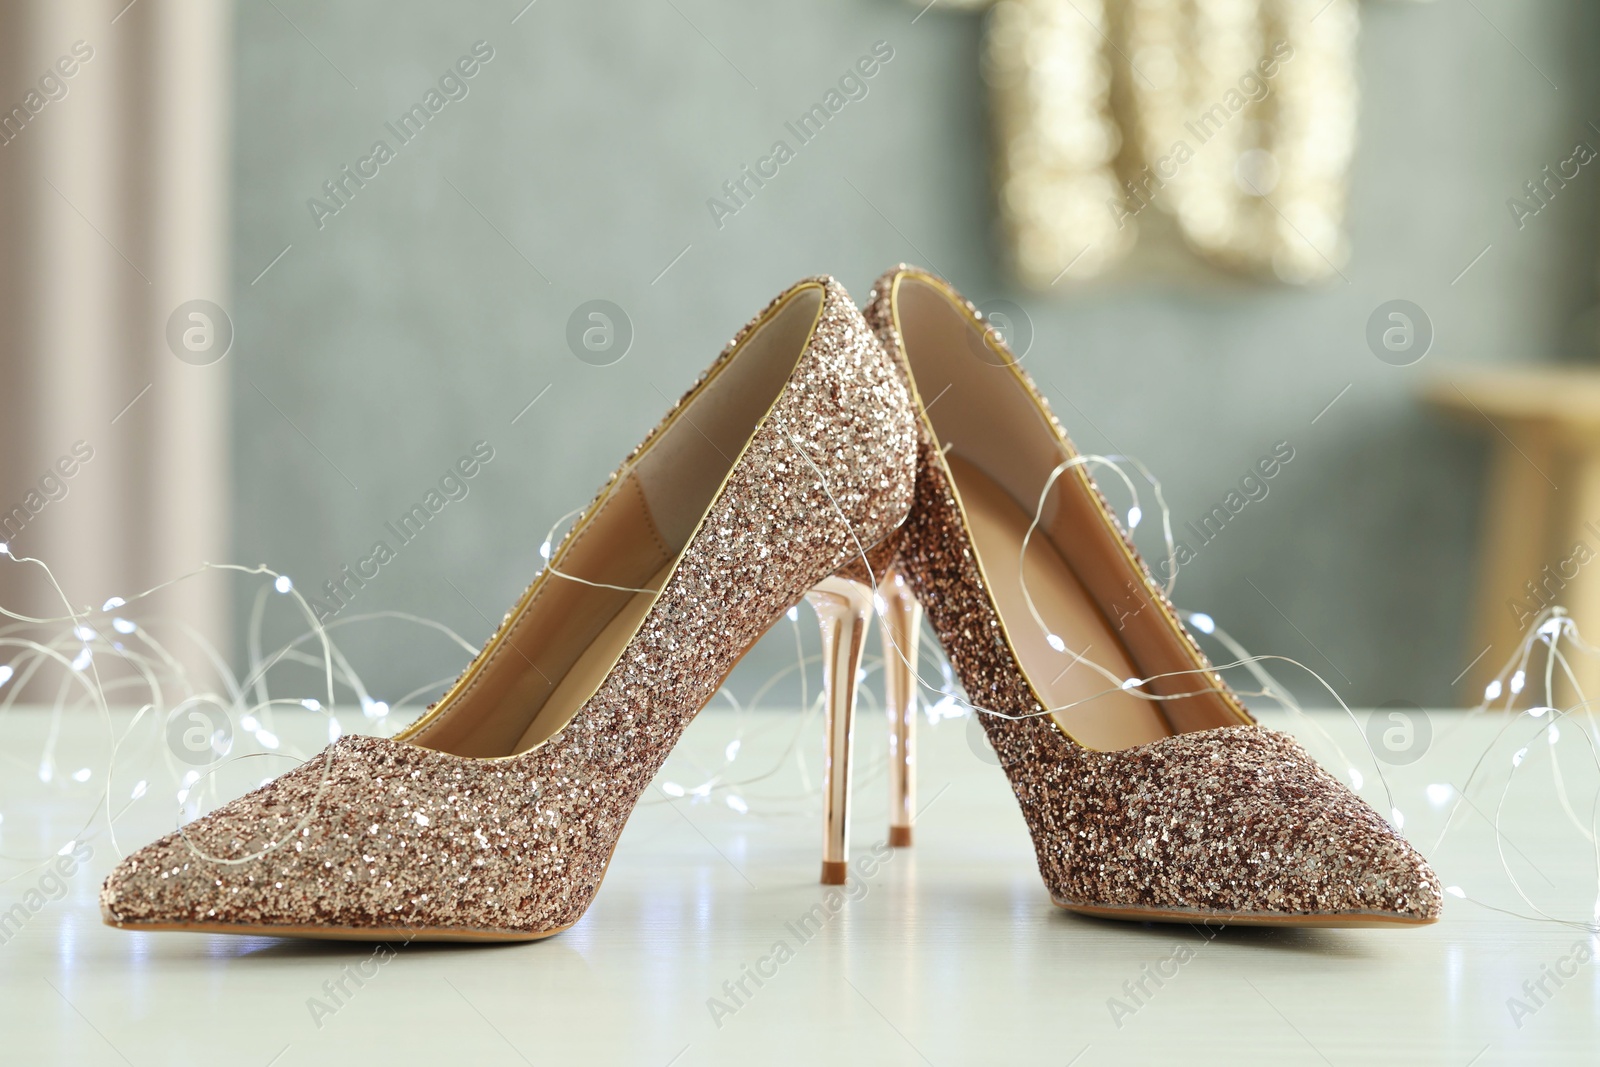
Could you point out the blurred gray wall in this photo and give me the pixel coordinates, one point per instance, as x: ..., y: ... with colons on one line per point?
x: 428, y: 312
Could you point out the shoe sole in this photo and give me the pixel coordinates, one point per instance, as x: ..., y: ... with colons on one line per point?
x: 340, y: 933
x: 1348, y: 920
x: 1327, y: 920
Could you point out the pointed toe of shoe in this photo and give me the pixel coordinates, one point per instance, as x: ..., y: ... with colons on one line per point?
x: 1236, y: 825
x: 178, y: 882
x: 132, y: 893
x: 372, y: 840
x: 118, y: 890
x: 217, y: 871
x: 1349, y: 868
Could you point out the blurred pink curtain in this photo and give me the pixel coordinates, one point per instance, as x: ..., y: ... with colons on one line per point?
x: 114, y: 136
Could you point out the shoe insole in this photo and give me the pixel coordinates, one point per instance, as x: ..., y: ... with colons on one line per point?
x: 1107, y: 721
x: 591, y: 668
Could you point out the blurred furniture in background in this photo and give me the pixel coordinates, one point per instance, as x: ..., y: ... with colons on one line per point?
x: 114, y: 135
x: 1540, y: 542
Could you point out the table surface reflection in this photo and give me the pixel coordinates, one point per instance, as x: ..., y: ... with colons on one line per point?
x: 949, y: 952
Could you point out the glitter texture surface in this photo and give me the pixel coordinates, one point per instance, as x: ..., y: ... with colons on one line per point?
x: 383, y: 836
x: 1236, y: 822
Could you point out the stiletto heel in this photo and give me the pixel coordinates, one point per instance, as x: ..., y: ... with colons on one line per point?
x: 900, y: 626
x: 843, y: 607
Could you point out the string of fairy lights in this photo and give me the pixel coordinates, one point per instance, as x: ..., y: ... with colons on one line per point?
x: 114, y: 661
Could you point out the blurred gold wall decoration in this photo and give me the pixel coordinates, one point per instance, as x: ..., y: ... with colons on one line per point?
x: 1234, y: 118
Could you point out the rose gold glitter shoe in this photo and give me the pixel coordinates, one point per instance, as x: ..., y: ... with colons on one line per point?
x: 494, y: 817
x: 1150, y: 791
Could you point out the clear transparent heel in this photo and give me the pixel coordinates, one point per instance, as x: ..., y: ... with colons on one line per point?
x: 843, y: 607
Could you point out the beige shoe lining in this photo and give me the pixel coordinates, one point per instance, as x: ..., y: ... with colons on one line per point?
x: 1001, y: 450
x: 568, y: 635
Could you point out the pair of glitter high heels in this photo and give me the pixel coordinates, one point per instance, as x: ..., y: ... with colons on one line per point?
x: 901, y: 457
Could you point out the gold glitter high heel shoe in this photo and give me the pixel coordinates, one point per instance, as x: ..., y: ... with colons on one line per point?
x: 494, y: 817
x: 1150, y: 791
